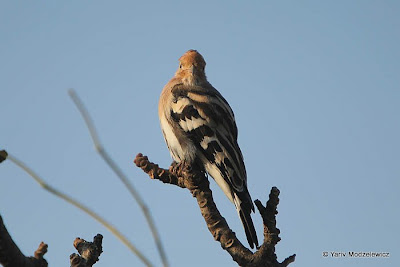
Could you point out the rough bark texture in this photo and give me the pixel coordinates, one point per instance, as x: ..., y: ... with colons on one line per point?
x: 197, y: 183
x: 89, y: 252
x: 11, y: 255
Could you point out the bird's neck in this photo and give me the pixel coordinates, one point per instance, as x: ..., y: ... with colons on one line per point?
x: 194, y: 80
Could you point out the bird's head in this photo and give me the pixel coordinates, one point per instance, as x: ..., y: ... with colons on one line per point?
x: 191, y: 68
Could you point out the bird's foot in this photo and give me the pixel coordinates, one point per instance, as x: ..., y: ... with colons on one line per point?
x: 174, y: 168
x: 177, y: 168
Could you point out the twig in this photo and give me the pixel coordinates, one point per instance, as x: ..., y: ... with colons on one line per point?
x: 80, y: 206
x: 103, y: 153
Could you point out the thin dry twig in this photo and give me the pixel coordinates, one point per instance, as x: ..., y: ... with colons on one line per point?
x: 80, y: 206
x: 117, y: 170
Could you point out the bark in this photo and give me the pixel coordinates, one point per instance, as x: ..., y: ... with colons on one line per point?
x: 11, y: 255
x: 89, y: 252
x: 197, y: 183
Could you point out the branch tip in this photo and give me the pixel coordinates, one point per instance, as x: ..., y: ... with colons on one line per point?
x: 194, y: 179
x: 42, y: 249
x: 288, y: 260
x: 119, y: 173
x: 89, y: 252
x: 3, y: 155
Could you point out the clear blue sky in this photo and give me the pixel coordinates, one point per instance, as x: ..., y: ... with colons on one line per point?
x: 314, y: 86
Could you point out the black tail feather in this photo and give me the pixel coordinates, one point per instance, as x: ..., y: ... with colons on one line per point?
x: 248, y: 227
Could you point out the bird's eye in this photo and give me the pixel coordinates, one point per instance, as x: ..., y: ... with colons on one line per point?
x: 180, y: 66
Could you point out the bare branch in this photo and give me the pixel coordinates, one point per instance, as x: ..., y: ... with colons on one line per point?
x: 11, y: 255
x: 89, y: 252
x: 189, y: 177
x: 41, y: 250
x: 82, y: 207
x: 3, y: 155
x: 117, y: 170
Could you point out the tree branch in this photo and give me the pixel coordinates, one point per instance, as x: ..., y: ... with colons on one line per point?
x: 4, y: 155
x: 11, y: 255
x: 89, y: 252
x: 117, y: 170
x: 197, y: 183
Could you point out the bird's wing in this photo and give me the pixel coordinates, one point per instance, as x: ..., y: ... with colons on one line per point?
x: 207, y: 119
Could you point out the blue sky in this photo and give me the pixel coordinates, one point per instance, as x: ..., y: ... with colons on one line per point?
x: 315, y: 90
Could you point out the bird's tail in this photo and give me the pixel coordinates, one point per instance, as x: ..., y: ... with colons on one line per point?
x: 244, y: 209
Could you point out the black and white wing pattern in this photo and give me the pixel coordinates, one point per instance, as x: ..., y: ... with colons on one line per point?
x: 206, y: 119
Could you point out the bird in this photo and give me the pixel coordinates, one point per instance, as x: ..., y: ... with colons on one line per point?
x: 199, y: 127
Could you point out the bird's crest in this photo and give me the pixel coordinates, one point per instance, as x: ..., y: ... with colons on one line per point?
x: 192, y: 57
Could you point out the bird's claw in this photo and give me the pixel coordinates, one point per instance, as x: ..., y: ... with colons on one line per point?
x: 177, y: 168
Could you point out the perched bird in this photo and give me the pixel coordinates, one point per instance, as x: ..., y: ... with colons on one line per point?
x: 199, y: 128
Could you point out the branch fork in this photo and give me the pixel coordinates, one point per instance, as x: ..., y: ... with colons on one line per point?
x: 196, y: 182
x: 89, y: 252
